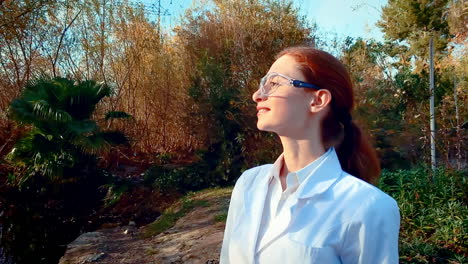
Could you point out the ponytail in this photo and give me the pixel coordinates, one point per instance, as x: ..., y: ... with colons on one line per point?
x: 356, y: 154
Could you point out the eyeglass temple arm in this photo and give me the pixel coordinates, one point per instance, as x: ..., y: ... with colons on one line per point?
x: 297, y: 83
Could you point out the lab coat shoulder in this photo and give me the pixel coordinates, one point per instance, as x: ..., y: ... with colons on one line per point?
x: 252, y: 175
x: 244, y: 182
x: 372, y: 230
x: 367, y: 199
x: 248, y: 179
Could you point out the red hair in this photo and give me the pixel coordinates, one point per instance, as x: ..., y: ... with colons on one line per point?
x: 356, y: 154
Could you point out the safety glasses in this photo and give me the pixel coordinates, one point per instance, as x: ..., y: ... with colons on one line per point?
x: 270, y: 83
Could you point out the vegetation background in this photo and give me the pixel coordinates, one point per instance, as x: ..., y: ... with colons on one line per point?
x: 177, y: 114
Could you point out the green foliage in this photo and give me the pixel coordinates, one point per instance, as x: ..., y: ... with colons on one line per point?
x: 164, y: 158
x: 207, y: 171
x: 172, y: 214
x: 222, y: 217
x: 415, y: 22
x: 115, y: 190
x: 63, y: 135
x: 433, y: 212
x: 458, y: 19
x: 218, y: 101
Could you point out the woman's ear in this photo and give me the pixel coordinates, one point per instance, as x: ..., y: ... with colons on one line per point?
x: 320, y: 100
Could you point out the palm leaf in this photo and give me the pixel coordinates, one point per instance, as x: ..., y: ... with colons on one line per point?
x: 43, y: 110
x: 82, y: 100
x: 21, y: 111
x: 81, y: 127
x: 92, y: 144
x: 102, y: 90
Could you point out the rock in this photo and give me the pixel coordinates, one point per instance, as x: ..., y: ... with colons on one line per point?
x: 91, y: 258
x: 89, y: 238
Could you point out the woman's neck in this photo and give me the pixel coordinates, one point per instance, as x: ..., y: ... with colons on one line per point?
x: 299, y: 153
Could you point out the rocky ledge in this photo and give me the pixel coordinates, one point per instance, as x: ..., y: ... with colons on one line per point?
x: 196, y: 237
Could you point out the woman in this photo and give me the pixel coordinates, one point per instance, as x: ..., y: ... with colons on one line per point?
x: 315, y: 203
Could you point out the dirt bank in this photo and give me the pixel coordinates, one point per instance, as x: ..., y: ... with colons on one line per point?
x: 195, y: 238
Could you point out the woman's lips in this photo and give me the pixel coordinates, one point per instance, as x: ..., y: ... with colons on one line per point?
x: 262, y: 110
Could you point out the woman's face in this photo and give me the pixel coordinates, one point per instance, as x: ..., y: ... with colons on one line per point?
x: 286, y: 111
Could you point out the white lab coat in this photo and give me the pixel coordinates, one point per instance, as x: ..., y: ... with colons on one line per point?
x: 334, y: 218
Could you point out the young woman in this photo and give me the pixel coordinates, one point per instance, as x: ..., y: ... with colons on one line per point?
x: 315, y: 204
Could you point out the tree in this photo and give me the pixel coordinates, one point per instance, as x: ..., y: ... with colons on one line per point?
x: 63, y: 138
x: 458, y: 20
x: 415, y: 22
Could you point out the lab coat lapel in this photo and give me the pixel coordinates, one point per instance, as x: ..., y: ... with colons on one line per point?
x: 253, y: 205
x: 279, y: 224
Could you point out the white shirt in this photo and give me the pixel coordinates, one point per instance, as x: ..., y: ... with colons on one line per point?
x: 276, y: 198
x: 332, y: 217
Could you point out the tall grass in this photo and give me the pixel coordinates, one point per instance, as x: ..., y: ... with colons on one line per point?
x: 433, y: 207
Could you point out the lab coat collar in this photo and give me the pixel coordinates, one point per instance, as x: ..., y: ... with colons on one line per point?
x: 299, y: 176
x: 305, y: 172
x: 322, y: 177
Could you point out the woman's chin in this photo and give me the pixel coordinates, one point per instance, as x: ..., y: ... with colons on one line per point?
x: 265, y: 127
x: 261, y: 126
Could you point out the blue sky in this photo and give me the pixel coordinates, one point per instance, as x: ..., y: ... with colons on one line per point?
x: 354, y: 18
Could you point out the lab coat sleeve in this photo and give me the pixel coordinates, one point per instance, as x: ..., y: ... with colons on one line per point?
x: 235, y: 206
x: 372, y: 235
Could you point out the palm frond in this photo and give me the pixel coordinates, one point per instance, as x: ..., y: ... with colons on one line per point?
x: 102, y: 90
x: 81, y: 127
x: 22, y: 151
x: 21, y: 111
x: 92, y: 144
x: 43, y: 110
x: 82, y: 100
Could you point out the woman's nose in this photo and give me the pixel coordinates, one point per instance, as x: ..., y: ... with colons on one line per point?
x: 258, y: 96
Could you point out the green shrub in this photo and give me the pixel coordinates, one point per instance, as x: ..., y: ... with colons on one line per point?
x: 115, y: 189
x: 433, y: 207
x: 211, y: 169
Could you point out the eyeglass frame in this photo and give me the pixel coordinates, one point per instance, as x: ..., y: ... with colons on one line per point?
x: 291, y: 81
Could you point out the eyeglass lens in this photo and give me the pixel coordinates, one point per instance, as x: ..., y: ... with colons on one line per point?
x: 270, y: 83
